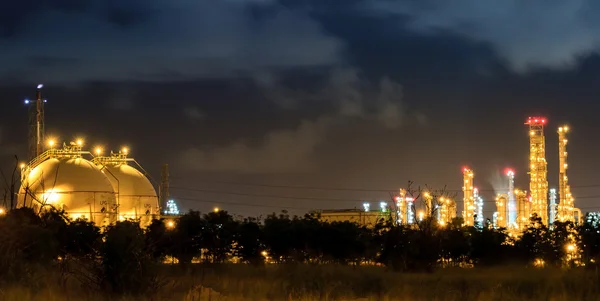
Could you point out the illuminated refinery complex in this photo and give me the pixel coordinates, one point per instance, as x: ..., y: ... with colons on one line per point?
x: 88, y: 185
x: 514, y: 207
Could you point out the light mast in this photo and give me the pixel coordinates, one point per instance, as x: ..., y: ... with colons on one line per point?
x: 36, y: 124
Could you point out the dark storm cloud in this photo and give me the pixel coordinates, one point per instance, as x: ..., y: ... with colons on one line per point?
x: 189, y: 39
x: 295, y: 150
x: 18, y: 16
x: 526, y: 33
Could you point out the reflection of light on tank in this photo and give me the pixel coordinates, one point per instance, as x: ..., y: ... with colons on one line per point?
x: 136, y: 196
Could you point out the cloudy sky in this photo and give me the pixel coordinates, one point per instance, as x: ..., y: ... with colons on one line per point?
x: 246, y: 98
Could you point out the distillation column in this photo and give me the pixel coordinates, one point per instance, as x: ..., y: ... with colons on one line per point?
x: 478, y: 208
x: 446, y: 211
x: 538, y: 169
x: 553, y: 212
x: 402, y: 208
x: 523, y: 209
x: 566, y: 207
x: 468, y: 197
x: 502, y: 211
x: 511, y: 200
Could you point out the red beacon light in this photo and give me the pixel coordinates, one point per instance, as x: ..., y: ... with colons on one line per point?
x: 509, y: 172
x: 536, y: 120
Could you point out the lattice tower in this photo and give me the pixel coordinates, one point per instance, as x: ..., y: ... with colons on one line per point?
x: 36, y: 125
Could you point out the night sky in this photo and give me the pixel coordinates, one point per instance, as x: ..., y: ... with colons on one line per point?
x: 363, y: 95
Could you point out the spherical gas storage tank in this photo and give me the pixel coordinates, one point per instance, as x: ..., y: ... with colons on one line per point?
x: 73, y: 184
x: 136, y: 196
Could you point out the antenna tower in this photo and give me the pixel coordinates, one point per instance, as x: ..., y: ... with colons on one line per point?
x: 538, y: 169
x: 468, y: 197
x: 36, y: 124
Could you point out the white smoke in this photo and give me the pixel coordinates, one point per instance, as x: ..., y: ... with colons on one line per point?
x: 498, y: 181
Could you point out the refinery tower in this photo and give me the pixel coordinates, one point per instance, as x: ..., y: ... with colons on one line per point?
x: 87, y: 185
x: 538, y: 169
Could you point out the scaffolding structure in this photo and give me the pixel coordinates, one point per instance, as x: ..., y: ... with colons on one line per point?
x: 538, y: 169
x: 468, y: 197
x: 404, y: 208
x: 446, y: 211
x: 566, y: 208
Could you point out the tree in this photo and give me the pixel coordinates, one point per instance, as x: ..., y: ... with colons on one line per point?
x: 158, y: 239
x: 126, y: 266
x: 218, y: 235
x: 187, y: 236
x: 249, y: 241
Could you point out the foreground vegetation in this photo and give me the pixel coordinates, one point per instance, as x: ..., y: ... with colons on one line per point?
x: 49, y: 257
x: 318, y: 282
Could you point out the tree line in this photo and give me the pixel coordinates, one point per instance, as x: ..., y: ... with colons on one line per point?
x: 219, y: 237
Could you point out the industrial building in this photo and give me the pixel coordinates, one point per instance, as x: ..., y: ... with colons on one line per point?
x: 102, y: 189
x: 514, y: 207
x: 361, y: 217
x: 541, y: 200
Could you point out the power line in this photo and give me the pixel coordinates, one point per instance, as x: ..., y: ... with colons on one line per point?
x: 241, y: 204
x: 346, y: 188
x: 304, y: 198
x: 265, y: 195
x: 296, y: 208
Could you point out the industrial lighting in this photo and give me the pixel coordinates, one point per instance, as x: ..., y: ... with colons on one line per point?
x: 366, y: 206
x: 216, y: 209
x: 26, y: 101
x: 79, y: 142
x: 264, y: 253
x: 50, y: 196
x: 51, y: 143
x: 125, y: 150
x: 170, y: 224
x: 40, y: 86
x: 2, y: 212
x: 22, y: 165
x: 98, y: 151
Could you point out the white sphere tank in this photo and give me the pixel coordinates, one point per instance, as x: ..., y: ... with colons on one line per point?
x: 73, y: 184
x: 136, y: 196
